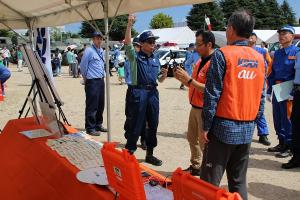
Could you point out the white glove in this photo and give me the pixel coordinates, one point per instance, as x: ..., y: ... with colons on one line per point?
x: 290, y: 98
x: 269, y: 98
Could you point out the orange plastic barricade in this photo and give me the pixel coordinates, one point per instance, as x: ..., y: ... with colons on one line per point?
x: 123, y: 173
x: 1, y: 94
x: 187, y: 187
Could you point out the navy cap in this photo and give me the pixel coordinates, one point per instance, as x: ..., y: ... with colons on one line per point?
x: 97, y: 34
x: 147, y: 35
x: 253, y: 33
x: 192, y: 45
x: 287, y: 28
x: 136, y: 41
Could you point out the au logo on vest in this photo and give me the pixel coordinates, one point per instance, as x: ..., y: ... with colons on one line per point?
x: 247, y: 74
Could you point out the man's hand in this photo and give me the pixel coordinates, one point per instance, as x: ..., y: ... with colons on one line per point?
x: 182, y: 75
x: 269, y: 98
x: 204, y: 136
x: 131, y: 19
x: 164, y: 72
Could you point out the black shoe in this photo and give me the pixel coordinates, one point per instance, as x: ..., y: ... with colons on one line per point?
x: 93, y: 133
x: 283, y: 154
x: 293, y: 163
x: 277, y: 148
x: 264, y: 140
x: 192, y: 171
x: 101, y: 129
x: 153, y: 160
x: 182, y: 87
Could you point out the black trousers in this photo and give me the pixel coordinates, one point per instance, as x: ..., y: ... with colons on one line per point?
x: 94, y: 104
x: 141, y: 106
x: 218, y: 157
x: 295, y: 119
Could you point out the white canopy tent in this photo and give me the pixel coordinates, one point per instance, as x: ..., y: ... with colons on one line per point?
x: 182, y: 36
x: 20, y: 14
x: 264, y: 35
x: 220, y: 37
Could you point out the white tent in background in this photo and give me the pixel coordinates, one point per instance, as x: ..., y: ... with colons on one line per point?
x: 264, y: 35
x: 182, y: 36
x: 220, y: 37
x: 20, y: 14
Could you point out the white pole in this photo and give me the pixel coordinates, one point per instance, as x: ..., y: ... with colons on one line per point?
x: 107, y: 70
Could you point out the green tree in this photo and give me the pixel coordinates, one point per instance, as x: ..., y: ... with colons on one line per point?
x: 161, y: 21
x: 196, y: 17
x: 268, y: 14
x: 116, y: 33
x: 5, y: 33
x: 228, y: 7
x: 273, y: 15
x: 56, y: 34
x: 288, y: 13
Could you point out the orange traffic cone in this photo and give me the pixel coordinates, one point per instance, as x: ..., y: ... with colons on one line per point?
x: 1, y: 93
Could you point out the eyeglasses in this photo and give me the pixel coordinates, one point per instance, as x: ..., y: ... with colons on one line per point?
x: 150, y: 41
x: 199, y: 45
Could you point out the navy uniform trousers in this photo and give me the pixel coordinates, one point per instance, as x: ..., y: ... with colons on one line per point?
x: 295, y: 118
x: 95, y: 100
x: 141, y: 105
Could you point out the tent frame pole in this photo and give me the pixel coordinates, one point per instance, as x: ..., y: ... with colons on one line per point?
x: 105, y: 10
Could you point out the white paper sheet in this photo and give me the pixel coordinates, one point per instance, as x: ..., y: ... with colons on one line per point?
x: 157, y: 192
x: 38, y: 133
x: 93, y: 176
x: 283, y: 90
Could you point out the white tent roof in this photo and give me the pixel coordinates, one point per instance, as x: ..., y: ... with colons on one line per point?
x: 264, y: 35
x: 15, y: 13
x: 183, y: 36
x: 220, y: 37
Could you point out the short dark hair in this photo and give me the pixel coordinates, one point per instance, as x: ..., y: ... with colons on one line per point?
x: 242, y: 22
x: 207, y: 36
x: 264, y: 43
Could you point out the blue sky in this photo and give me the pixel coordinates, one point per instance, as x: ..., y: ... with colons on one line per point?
x: 177, y: 13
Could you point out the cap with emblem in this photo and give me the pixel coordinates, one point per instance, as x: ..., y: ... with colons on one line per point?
x: 97, y: 34
x: 146, y: 36
x: 287, y: 28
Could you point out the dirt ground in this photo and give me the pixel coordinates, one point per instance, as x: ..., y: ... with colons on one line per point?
x: 266, y: 180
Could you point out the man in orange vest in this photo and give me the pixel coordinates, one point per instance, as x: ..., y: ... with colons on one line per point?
x: 233, y: 100
x: 205, y: 44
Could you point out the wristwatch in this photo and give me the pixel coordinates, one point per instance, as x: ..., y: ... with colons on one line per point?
x: 189, y: 82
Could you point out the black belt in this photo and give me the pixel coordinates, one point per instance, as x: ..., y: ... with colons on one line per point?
x: 145, y: 87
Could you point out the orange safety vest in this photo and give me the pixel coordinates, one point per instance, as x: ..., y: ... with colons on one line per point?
x: 196, y: 96
x: 242, y: 84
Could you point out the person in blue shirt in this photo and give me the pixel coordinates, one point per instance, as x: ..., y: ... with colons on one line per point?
x: 262, y: 125
x: 295, y: 119
x: 4, y: 76
x: 92, y: 68
x: 191, y: 59
x: 282, y: 70
x: 142, y: 99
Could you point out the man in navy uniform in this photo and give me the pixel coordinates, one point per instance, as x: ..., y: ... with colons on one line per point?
x: 282, y: 70
x: 142, y: 100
